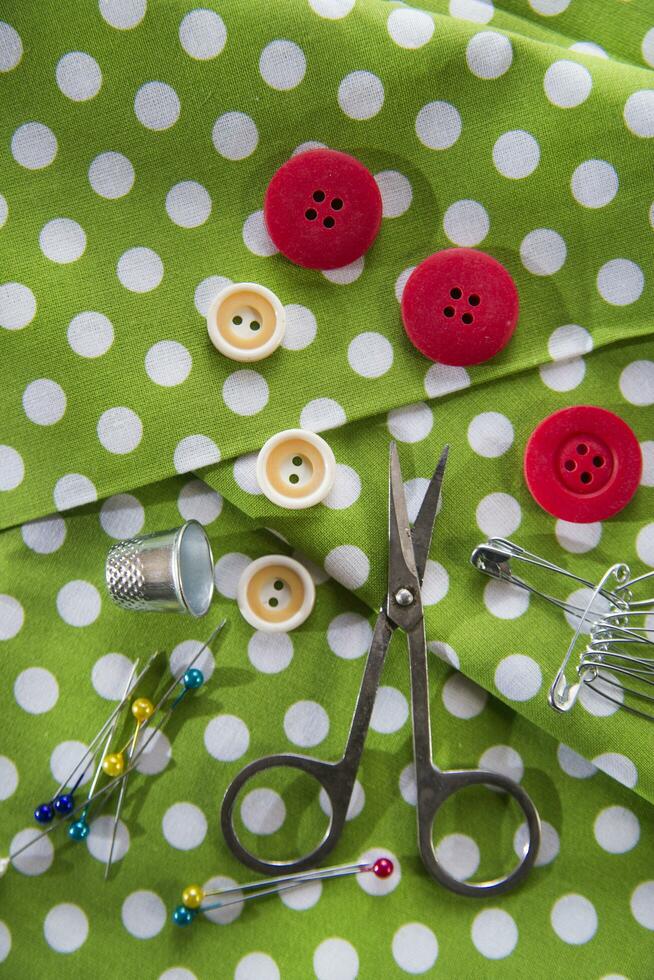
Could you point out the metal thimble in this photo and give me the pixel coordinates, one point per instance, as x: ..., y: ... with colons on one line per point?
x: 169, y: 571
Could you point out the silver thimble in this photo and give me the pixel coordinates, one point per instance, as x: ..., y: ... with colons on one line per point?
x: 169, y: 571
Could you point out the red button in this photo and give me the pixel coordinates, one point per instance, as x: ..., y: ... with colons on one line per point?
x: 583, y: 464
x: 323, y: 209
x: 460, y: 306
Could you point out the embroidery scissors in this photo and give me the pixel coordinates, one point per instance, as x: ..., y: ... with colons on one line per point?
x: 408, y: 551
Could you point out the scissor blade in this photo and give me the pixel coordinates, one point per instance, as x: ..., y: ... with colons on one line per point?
x: 401, y: 560
x: 424, y: 525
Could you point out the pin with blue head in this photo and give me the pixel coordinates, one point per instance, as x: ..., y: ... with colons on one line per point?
x: 191, y: 681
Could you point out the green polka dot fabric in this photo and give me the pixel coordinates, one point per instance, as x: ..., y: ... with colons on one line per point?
x: 136, y: 142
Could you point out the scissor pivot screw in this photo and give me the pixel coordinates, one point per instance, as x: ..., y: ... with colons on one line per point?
x: 404, y: 597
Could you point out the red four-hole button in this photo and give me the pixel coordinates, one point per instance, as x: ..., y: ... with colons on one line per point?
x: 583, y: 464
x: 322, y: 209
x: 460, y: 306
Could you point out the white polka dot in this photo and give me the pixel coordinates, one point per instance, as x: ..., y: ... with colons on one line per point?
x: 185, y: 652
x: 639, y: 113
x: 44, y: 402
x: 282, y: 65
x: 36, y: 690
x: 479, y: 11
x: 306, y: 723
x: 322, y: 414
x: 410, y: 28
x: 415, y: 948
x: 235, y: 135
x: 184, y: 826
x: 64, y: 761
x: 228, y: 571
x: 256, y: 237
x: 414, y: 492
x: 518, y: 677
x: 361, y: 95
x: 140, y: 269
x: 301, y: 327
x: 8, y: 771
x: 4, y: 212
x: 157, y: 106
x: 616, y: 829
x: 245, y: 392
x: 567, y: 84
x: 573, y: 764
x: 143, y: 914
x: 589, y: 48
x: 564, y: 375
x: 123, y: 14
x: 12, y: 617
x: 99, y: 839
x: 332, y: 9
x: 516, y: 154
x: 226, y: 738
x: 370, y: 354
x: 78, y: 603
x: 317, y: 572
x: 346, y: 490
x: 642, y: 904
x: 17, y: 305
x: 543, y: 252
x: 348, y: 565
x: 34, y: 146
x: 647, y: 48
x: 199, y: 502
x: 466, y: 223
x: 110, y: 675
x: 490, y: 434
x: 168, y: 363
x: 498, y: 515
x: 407, y: 784
x: 308, y: 145
x: 505, y: 760
x: 494, y: 933
x: 12, y: 468
x: 617, y: 766
x: 202, y: 34
x: 637, y: 383
x: 245, y: 473
x: 122, y: 516
x: 401, y: 282
x: 578, y: 538
x: 73, y: 490
x: 549, y: 843
x: 594, y: 183
x: 11, y: 51
x: 194, y: 452
x: 119, y: 430
x: 444, y: 652
x: 459, y: 855
x: 35, y: 859
x: 188, y: 204
x: 62, y: 241
x: 111, y: 175
x: 65, y: 928
x: 256, y: 966
x: 394, y: 187
x: 580, y: 598
x: 647, y: 449
x: 5, y: 935
x: 438, y: 125
x: 335, y: 959
x: 489, y: 55
x: 593, y: 699
x: 390, y: 712
x: 549, y: 8
x: 620, y: 282
x: 206, y: 290
x: 435, y: 584
x: 504, y: 600
x: 229, y: 914
x: 90, y: 334
x: 349, y: 635
x: 302, y: 898
x: 462, y: 697
x: 270, y: 653
x: 441, y: 379
x: 569, y: 341
x: 347, y: 274
x: 574, y: 919
x: 263, y: 811
x: 78, y: 76
x: 355, y: 806
x: 156, y: 756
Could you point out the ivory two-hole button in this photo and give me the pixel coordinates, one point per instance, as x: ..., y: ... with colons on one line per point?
x: 275, y: 594
x: 246, y: 322
x: 296, y: 469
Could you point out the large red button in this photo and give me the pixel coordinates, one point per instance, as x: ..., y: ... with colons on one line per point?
x: 583, y: 464
x: 460, y: 306
x: 322, y: 209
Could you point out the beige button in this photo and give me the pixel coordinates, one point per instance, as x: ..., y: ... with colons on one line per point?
x: 296, y: 469
x: 275, y: 594
x: 246, y: 321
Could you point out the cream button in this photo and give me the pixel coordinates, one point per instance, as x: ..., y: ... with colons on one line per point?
x: 275, y: 594
x: 296, y: 469
x: 246, y: 321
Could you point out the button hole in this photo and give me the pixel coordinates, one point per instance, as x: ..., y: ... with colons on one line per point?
x: 455, y: 293
x: 311, y: 214
x: 582, y: 448
x: 598, y: 461
x: 474, y: 300
x: 297, y: 461
x: 586, y: 477
x: 329, y: 222
x: 255, y: 325
x: 337, y: 204
x: 570, y: 465
x: 273, y: 602
x: 294, y: 478
x: 237, y: 320
x: 467, y: 317
x: 278, y: 585
x: 318, y: 196
x: 448, y: 311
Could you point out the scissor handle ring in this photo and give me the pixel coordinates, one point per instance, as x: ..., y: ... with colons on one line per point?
x: 431, y: 797
x: 330, y: 777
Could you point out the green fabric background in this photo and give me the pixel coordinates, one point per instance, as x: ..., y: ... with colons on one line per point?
x: 190, y: 409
